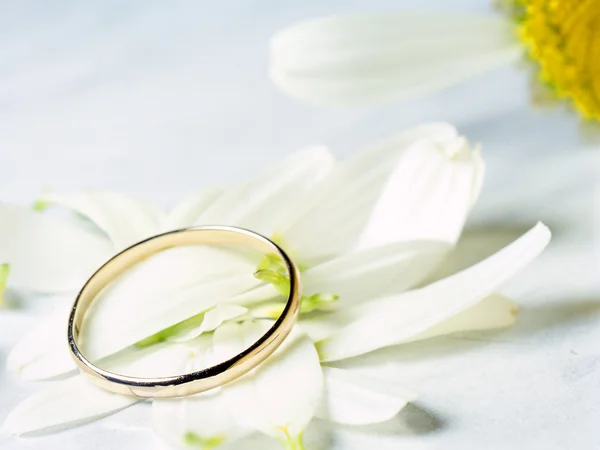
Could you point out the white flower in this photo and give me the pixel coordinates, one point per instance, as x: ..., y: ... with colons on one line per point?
x: 370, y: 58
x: 366, y: 231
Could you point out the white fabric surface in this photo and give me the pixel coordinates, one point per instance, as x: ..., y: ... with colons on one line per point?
x: 158, y: 99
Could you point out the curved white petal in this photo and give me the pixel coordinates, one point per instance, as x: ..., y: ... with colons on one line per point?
x: 494, y: 311
x: 364, y: 275
x: 370, y: 58
x: 263, y: 400
x: 75, y: 401
x: 399, y: 318
x: 428, y: 195
x: 330, y: 220
x: 260, y: 203
x: 46, y: 254
x: 124, y: 219
x: 354, y: 398
x: 43, y: 351
x: 187, y: 212
x: 62, y: 404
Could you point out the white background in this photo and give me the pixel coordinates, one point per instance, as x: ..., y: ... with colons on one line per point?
x: 160, y: 98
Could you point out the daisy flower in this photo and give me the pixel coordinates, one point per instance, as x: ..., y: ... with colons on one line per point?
x: 369, y: 234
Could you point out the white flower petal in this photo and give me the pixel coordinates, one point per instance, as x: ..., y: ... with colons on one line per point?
x: 61, y: 404
x: 370, y: 58
x: 263, y: 399
x: 76, y: 400
x: 124, y: 219
x: 323, y: 324
x: 364, y: 275
x: 158, y: 293
x: 187, y: 212
x: 205, y: 419
x: 494, y: 311
x: 260, y: 293
x: 354, y: 398
x: 160, y: 360
x: 331, y: 219
x: 221, y: 313
x: 213, y: 319
x: 399, y: 318
x: 428, y: 195
x: 45, y: 254
x: 162, y: 291
x: 43, y: 352
x: 260, y: 203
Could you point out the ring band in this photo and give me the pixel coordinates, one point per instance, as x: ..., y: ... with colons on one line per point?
x: 211, y: 377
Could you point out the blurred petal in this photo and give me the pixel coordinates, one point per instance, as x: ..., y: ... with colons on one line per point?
x: 399, y: 318
x: 354, y: 398
x: 43, y: 352
x: 370, y: 58
x: 260, y: 203
x: 46, y: 254
x: 124, y: 219
x: 428, y: 196
x: 76, y: 401
x: 363, y: 275
x: 330, y: 220
x: 187, y: 212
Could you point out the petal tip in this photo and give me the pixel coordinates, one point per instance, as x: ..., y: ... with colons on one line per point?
x: 543, y: 232
x: 8, y: 427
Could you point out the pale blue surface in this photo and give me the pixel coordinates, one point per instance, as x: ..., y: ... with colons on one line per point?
x: 159, y: 98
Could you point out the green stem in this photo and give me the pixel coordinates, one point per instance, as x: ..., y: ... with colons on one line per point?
x: 291, y: 443
x: 4, y: 271
x: 173, y: 330
x: 191, y: 439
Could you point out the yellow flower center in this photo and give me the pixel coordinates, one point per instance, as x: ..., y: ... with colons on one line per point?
x: 563, y: 36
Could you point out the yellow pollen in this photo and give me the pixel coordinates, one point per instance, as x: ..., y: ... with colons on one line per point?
x: 563, y: 37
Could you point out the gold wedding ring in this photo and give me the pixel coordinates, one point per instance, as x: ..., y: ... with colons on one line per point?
x: 211, y: 377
